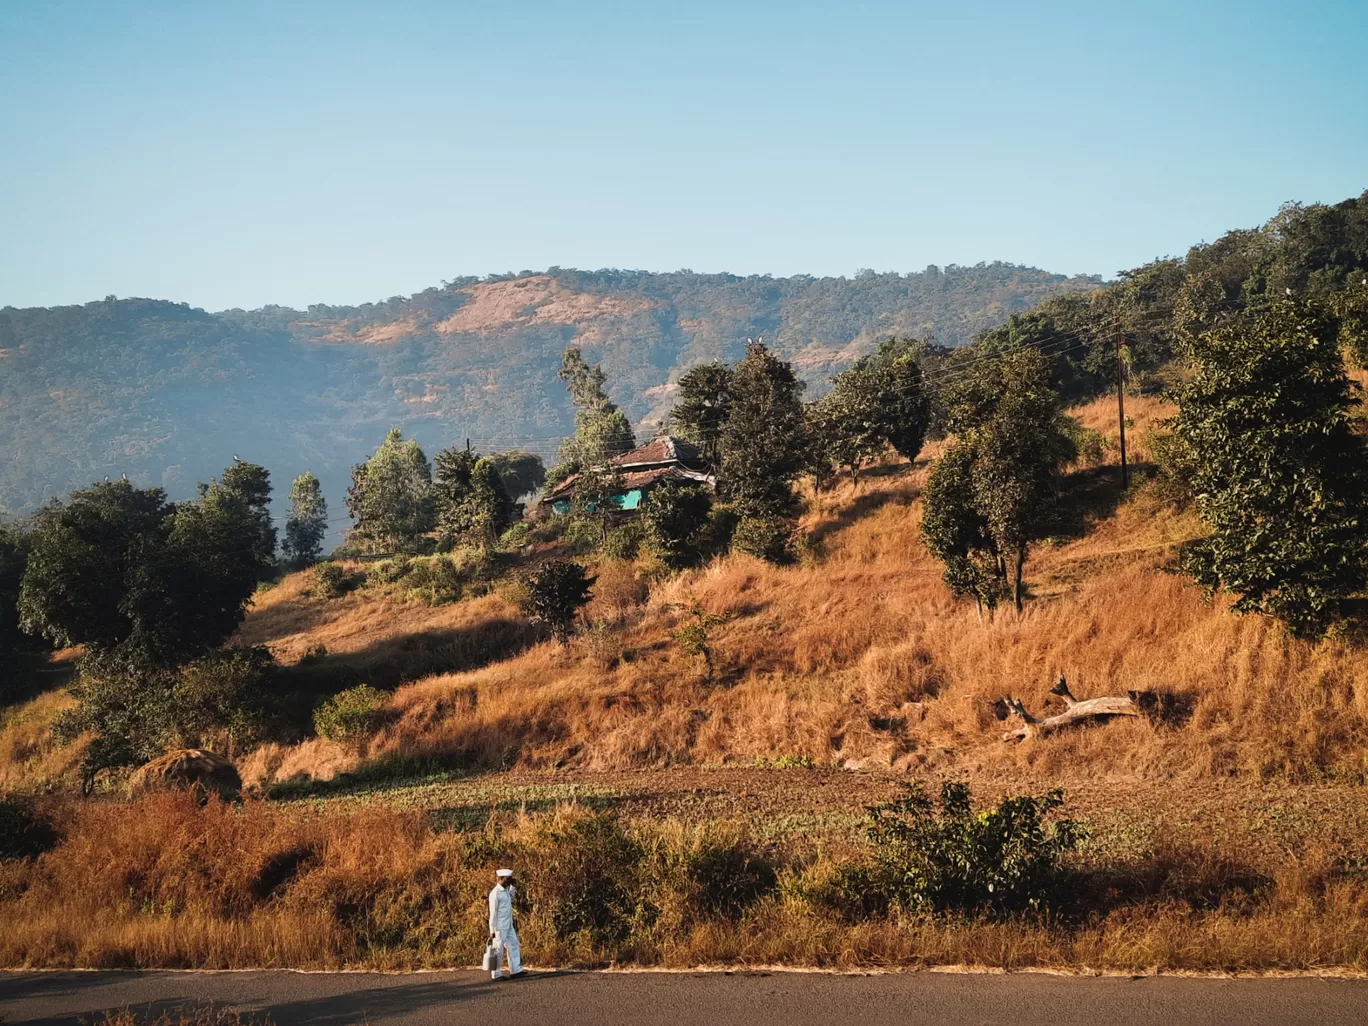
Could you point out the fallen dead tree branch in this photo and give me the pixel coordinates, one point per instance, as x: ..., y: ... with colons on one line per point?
x: 1076, y: 711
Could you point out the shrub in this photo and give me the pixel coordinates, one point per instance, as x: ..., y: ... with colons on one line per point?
x: 997, y: 862
x: 387, y: 571
x: 555, y: 594
x: 768, y: 538
x: 624, y: 542
x: 23, y: 832
x: 225, y: 697
x: 673, y: 516
x: 436, y: 580
x: 127, y: 703
x: 350, y: 716
x: 694, y: 638
x: 581, y: 536
x: 586, y: 869
x: 333, y: 580
x: 518, y: 535
x: 700, y: 872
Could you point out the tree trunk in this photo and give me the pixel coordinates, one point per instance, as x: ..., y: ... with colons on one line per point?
x: 1016, y: 584
x: 1075, y: 712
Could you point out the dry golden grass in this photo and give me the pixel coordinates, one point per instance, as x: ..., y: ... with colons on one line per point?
x: 27, y: 752
x: 381, y: 637
x: 170, y: 883
x: 862, y: 657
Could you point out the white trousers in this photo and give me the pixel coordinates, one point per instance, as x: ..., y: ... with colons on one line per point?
x: 507, y: 942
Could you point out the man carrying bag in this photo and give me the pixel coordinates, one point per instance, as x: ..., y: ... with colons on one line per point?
x: 502, y: 936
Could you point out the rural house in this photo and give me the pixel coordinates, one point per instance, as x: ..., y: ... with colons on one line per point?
x: 664, y: 458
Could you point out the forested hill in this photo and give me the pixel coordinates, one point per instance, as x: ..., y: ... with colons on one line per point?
x: 167, y: 394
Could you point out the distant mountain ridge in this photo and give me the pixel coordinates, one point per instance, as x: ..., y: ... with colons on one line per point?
x: 167, y: 394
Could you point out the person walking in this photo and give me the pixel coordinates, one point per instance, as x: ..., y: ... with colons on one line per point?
x: 501, y: 932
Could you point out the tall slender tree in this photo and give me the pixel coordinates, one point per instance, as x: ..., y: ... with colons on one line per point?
x: 307, y: 523
x: 391, y: 499
x: 763, y: 442
x: 701, y: 410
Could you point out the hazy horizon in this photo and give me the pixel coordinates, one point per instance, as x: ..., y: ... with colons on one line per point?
x: 339, y: 153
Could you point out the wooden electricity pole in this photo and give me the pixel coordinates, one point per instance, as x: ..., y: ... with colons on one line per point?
x: 1121, y: 411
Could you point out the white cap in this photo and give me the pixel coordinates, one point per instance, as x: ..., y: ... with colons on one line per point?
x: 503, y: 873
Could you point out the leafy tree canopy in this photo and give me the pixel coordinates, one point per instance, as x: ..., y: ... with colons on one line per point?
x: 119, y: 567
x: 1276, y: 469
x: 763, y: 444
x: 307, y: 523
x: 391, y: 500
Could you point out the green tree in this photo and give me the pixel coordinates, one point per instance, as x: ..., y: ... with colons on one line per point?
x: 957, y: 533
x: 119, y: 567
x: 522, y: 473
x: 598, y: 495
x: 890, y: 383
x: 555, y: 595
x: 249, y: 486
x: 701, y: 410
x: 83, y: 559
x: 1013, y: 440
x: 1277, y: 471
x: 307, y: 523
x: 837, y: 438
x: 763, y: 443
x: 14, y: 643
x: 126, y: 702
x: 391, y: 499
x: 674, y: 516
x: 876, y: 403
x: 471, y: 502
x: 602, y: 431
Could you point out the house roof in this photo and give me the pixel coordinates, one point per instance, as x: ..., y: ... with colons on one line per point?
x: 662, y: 449
x: 664, y: 458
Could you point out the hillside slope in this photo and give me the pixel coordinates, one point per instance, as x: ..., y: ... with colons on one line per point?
x: 168, y: 394
x: 860, y: 657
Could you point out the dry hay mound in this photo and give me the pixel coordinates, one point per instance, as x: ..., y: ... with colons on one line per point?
x: 188, y: 768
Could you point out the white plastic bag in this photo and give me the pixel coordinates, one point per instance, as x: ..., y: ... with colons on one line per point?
x: 491, y: 958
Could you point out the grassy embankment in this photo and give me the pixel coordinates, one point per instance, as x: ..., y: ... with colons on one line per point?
x: 1231, y: 834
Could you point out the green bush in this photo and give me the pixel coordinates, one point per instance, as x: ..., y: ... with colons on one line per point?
x: 333, y: 580
x: 674, y: 516
x: 520, y: 534
x: 768, y: 538
x: 581, y: 536
x: 996, y: 862
x: 24, y: 833
x: 350, y: 716
x: 586, y: 869
x: 436, y: 580
x: 555, y: 594
x: 624, y: 542
x: 387, y: 571
x: 224, y: 700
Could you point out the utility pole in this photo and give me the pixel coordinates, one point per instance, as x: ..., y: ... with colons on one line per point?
x: 1121, y: 411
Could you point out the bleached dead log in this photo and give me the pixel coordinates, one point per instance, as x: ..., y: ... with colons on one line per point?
x: 1075, y: 712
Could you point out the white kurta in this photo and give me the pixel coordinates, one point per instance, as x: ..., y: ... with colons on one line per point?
x: 501, y: 927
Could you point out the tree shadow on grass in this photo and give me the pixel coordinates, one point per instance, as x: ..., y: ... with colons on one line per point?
x: 1088, y: 497
x: 863, y: 506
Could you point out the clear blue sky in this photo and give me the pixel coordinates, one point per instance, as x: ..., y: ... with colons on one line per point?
x: 235, y: 154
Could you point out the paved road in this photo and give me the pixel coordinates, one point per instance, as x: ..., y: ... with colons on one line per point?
x: 690, y: 999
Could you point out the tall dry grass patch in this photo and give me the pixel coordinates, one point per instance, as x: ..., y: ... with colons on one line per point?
x: 171, y: 883
x: 28, y: 754
x: 859, y: 654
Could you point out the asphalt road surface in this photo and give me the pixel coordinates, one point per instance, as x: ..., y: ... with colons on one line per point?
x: 686, y: 999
